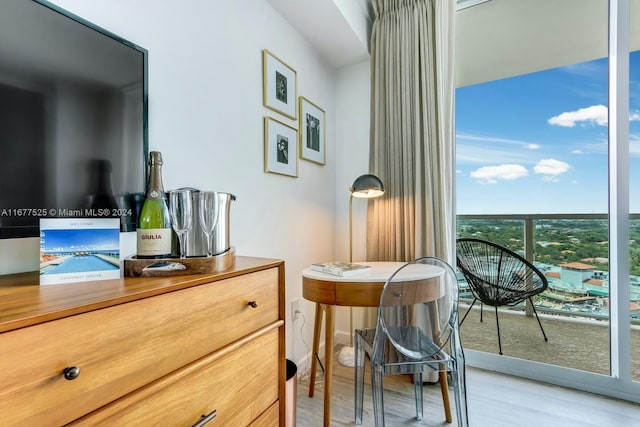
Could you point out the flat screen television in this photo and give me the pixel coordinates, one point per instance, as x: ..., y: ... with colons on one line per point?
x: 72, y: 96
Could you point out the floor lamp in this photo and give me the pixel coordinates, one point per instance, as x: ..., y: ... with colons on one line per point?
x: 364, y: 187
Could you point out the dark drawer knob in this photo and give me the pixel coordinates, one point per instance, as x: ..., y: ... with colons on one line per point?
x: 71, y: 373
x: 252, y: 304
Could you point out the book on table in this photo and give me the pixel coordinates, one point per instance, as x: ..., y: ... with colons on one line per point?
x: 338, y: 268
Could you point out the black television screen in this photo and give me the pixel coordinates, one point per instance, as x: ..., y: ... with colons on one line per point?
x: 72, y: 96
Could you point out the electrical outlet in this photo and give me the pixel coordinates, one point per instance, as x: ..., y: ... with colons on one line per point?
x: 295, y: 308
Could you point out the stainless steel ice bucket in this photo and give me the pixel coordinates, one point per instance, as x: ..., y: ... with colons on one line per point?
x: 221, y: 233
x: 196, y: 240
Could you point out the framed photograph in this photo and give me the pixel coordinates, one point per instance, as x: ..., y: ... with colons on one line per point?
x: 280, y: 148
x: 312, y: 131
x: 279, y: 85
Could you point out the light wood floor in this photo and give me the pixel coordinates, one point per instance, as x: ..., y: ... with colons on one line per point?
x: 494, y: 400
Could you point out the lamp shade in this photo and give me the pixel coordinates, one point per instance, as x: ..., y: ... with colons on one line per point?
x: 367, y: 186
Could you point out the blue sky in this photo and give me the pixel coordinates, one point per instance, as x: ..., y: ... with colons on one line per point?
x: 89, y: 239
x: 538, y: 143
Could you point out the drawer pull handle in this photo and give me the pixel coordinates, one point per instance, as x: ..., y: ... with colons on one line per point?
x: 205, y: 419
x: 252, y: 304
x: 71, y: 373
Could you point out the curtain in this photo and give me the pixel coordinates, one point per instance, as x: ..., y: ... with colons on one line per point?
x: 412, y: 130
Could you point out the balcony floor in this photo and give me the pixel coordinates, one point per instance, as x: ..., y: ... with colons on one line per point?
x: 573, y: 343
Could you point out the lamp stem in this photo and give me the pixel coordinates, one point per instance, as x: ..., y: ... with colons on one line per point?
x: 351, y: 228
x: 351, y: 260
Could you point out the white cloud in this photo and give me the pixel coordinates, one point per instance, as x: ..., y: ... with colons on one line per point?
x: 577, y: 151
x: 491, y: 174
x: 479, y: 149
x: 551, y: 169
x: 481, y: 155
x: 600, y: 146
x: 595, y: 114
x: 634, y: 145
x: 461, y: 136
x: 588, y: 69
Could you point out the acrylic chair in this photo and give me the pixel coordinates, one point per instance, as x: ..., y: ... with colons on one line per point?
x: 417, y: 332
x: 497, y: 276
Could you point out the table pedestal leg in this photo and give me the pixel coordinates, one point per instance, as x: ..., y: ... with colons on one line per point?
x: 329, y: 328
x: 317, y: 326
x: 328, y: 364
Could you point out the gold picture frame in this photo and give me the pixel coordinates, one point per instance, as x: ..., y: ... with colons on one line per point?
x: 279, y: 85
x: 312, y: 127
x: 280, y: 148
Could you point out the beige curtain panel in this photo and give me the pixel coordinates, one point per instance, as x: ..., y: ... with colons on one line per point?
x: 412, y: 130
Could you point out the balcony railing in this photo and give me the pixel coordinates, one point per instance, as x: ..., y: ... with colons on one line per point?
x: 575, y: 315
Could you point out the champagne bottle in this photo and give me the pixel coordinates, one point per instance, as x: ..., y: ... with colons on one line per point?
x: 154, y: 223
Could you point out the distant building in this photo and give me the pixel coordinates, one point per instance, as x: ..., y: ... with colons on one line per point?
x: 575, y: 273
x: 594, y: 282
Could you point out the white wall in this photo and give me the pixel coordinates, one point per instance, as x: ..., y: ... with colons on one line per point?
x: 206, y: 117
x: 352, y: 160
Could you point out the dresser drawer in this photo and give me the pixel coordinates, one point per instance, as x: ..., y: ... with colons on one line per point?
x: 121, y: 348
x: 239, y: 383
x: 269, y: 418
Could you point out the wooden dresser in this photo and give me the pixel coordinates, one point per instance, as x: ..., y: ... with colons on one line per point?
x: 171, y: 351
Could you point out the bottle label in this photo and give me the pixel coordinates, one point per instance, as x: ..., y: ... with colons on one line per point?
x: 154, y: 241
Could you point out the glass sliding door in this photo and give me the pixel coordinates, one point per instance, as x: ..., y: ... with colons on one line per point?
x: 532, y: 175
x: 634, y: 186
x: 548, y: 164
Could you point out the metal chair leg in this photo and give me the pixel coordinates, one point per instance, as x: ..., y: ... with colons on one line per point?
x: 468, y: 310
x: 498, y: 327
x: 538, y: 319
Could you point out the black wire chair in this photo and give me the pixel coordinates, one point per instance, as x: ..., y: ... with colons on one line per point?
x: 498, y: 277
